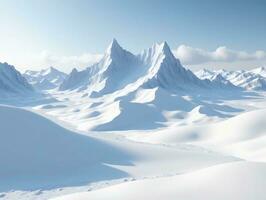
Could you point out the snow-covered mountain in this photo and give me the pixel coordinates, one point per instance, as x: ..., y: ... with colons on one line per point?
x: 12, y: 83
x: 260, y: 70
x: 45, y: 79
x: 154, y: 67
x: 250, y: 80
x: 117, y: 68
x: 74, y: 80
x: 165, y: 71
x: 148, y: 84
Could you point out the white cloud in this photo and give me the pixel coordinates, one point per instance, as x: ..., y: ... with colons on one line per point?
x: 195, y: 56
x: 44, y: 59
x: 80, y: 61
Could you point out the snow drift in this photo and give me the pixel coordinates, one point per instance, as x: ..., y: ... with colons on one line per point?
x: 239, y: 180
x: 37, y: 153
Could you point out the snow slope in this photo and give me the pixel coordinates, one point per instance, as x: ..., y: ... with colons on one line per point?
x: 116, y: 82
x: 12, y: 83
x: 36, y: 153
x: 116, y: 69
x: 260, y: 70
x: 243, y: 136
x: 238, y: 180
x: 45, y: 79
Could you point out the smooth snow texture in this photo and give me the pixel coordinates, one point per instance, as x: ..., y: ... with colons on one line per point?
x: 238, y: 180
x: 35, y: 153
x: 242, y: 136
x: 141, y: 118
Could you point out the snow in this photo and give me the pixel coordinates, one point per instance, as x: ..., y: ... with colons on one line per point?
x: 153, y: 67
x: 37, y: 153
x: 260, y: 70
x: 112, y: 72
x: 251, y: 80
x: 239, y: 180
x: 45, y: 79
x: 136, y: 126
x: 246, y: 142
x: 12, y: 83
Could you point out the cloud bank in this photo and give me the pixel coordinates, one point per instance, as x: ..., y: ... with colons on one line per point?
x: 195, y: 56
x: 80, y: 61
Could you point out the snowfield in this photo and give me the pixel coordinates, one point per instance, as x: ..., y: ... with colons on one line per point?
x: 38, y: 154
x: 133, y: 127
x: 239, y: 180
x: 243, y: 136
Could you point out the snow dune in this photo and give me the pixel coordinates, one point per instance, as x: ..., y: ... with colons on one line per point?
x: 238, y: 180
x: 243, y: 135
x: 36, y: 153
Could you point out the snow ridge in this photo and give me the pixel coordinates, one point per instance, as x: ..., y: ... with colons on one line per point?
x: 45, y: 79
x: 12, y: 82
x: 154, y: 67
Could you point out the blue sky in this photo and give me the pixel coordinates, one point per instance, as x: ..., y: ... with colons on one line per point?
x: 35, y: 30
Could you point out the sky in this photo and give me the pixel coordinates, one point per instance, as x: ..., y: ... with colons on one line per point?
x: 35, y: 34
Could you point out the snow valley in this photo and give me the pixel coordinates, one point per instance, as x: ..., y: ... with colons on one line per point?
x: 129, y: 124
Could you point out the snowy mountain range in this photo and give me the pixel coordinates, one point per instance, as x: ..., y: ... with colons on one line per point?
x: 163, y: 124
x: 250, y: 80
x: 153, y: 67
x: 12, y: 83
x: 45, y: 79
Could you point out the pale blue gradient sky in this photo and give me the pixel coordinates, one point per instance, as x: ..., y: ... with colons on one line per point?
x: 32, y: 29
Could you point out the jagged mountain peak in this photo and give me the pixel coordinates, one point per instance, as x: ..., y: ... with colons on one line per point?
x: 5, y: 66
x: 154, y: 67
x: 114, y: 49
x: 162, y: 48
x: 12, y: 82
x: 165, y: 48
x: 48, y: 78
x: 260, y: 70
x: 74, y: 70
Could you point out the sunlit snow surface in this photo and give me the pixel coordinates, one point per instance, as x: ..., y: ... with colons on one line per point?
x: 153, y: 132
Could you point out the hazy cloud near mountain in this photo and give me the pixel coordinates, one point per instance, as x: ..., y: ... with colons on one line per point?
x: 222, y: 57
x: 78, y: 61
x: 195, y: 56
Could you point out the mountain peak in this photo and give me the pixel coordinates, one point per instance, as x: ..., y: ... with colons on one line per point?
x: 165, y: 49
x: 74, y: 71
x: 52, y: 68
x: 165, y: 46
x: 114, y: 48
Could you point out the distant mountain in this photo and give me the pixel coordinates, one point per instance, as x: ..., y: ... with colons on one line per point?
x: 250, y: 80
x: 75, y: 80
x: 12, y: 83
x: 260, y: 71
x: 154, y: 67
x: 205, y: 74
x: 45, y: 79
